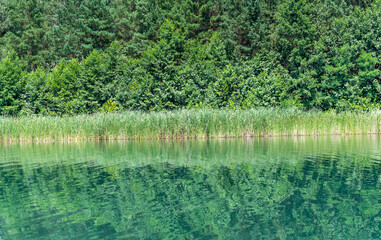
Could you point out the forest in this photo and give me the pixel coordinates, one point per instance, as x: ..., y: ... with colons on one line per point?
x: 68, y: 57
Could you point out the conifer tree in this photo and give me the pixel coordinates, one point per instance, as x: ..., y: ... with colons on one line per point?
x: 26, y: 31
x: 11, y: 84
x: 4, y: 19
x: 82, y: 27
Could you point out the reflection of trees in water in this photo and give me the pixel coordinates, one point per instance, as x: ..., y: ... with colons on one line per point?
x: 322, y: 197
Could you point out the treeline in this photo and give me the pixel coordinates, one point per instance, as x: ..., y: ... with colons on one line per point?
x: 68, y: 57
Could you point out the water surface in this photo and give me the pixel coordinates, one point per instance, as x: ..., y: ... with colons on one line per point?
x: 276, y: 188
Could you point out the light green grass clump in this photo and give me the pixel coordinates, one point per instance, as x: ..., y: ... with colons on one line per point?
x: 188, y: 124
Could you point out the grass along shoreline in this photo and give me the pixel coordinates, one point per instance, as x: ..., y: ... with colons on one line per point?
x: 185, y: 124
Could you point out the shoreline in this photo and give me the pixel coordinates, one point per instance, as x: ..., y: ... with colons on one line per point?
x: 16, y: 141
x: 188, y: 124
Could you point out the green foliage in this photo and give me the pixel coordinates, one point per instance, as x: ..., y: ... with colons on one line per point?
x: 27, y: 31
x: 36, y: 93
x: 109, y: 106
x: 11, y: 84
x: 64, y: 87
x: 4, y: 17
x: 166, y: 55
x: 82, y: 26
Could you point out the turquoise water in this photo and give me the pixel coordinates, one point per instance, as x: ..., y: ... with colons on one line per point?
x: 276, y: 188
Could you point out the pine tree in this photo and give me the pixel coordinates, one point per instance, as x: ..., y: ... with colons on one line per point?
x: 4, y: 18
x: 82, y: 27
x: 138, y: 23
x: 27, y: 29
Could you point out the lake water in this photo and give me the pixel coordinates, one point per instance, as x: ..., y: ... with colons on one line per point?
x: 275, y: 188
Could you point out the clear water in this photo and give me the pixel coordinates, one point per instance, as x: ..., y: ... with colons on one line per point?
x: 278, y: 188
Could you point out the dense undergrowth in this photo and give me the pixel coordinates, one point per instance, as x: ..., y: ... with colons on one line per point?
x: 184, y: 124
x: 78, y: 57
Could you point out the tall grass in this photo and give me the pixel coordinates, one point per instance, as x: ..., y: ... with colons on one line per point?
x: 187, y: 124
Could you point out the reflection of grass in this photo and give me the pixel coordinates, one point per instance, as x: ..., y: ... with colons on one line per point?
x: 187, y: 124
x: 270, y: 196
x: 203, y: 152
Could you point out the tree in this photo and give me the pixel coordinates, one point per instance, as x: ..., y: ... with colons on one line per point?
x: 27, y: 30
x: 11, y: 84
x: 82, y: 27
x: 4, y: 18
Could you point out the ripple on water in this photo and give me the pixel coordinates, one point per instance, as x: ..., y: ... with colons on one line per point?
x: 280, y: 188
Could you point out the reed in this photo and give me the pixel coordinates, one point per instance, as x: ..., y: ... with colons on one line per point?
x: 182, y: 124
